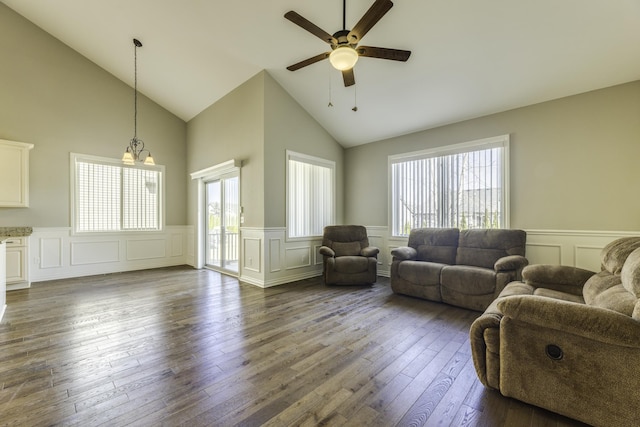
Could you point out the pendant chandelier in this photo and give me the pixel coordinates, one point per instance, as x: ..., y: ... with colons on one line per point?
x: 135, y: 151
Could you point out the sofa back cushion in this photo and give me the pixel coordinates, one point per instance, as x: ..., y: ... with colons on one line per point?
x: 630, y: 274
x: 483, y: 247
x: 605, y: 290
x: 435, y: 244
x: 616, y: 253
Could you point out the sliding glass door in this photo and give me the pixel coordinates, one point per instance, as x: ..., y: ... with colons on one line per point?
x: 222, y: 222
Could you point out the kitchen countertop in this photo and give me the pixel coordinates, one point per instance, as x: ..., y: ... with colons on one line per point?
x: 7, y: 232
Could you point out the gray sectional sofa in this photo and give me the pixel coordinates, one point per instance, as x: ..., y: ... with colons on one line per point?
x: 466, y: 268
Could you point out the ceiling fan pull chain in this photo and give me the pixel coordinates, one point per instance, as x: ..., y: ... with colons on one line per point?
x: 355, y: 99
x: 330, y: 103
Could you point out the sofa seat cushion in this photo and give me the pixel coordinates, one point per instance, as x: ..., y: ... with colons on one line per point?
x: 552, y: 293
x: 351, y: 264
x: 468, y: 279
x: 521, y: 288
x: 420, y: 272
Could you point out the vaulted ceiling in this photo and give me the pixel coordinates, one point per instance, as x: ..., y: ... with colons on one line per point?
x: 469, y: 57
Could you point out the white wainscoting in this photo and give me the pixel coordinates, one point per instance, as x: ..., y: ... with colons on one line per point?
x: 268, y: 259
x: 57, y: 254
x: 569, y: 247
x: 565, y: 247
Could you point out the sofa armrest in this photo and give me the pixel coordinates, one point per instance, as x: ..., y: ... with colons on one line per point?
x: 403, y: 253
x: 511, y: 262
x: 594, y: 323
x: 483, y: 335
x: 326, y: 251
x: 370, y: 251
x: 560, y: 277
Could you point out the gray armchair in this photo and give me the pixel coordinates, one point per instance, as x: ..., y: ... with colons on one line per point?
x: 347, y: 257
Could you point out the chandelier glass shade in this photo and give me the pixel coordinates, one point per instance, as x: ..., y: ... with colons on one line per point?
x: 343, y: 57
x: 135, y: 151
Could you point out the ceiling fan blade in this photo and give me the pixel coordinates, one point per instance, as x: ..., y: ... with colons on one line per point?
x: 310, y: 26
x: 308, y: 61
x: 369, y: 19
x: 384, y: 53
x: 348, y: 77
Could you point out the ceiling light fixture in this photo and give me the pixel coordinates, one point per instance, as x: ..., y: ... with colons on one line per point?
x: 135, y: 151
x: 343, y: 57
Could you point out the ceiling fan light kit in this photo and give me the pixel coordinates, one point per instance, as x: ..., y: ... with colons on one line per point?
x: 343, y: 58
x: 344, y: 43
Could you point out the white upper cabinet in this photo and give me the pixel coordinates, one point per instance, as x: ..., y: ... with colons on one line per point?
x: 14, y: 173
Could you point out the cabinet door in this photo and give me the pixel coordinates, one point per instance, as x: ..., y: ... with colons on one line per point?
x: 14, y: 173
x: 16, y: 264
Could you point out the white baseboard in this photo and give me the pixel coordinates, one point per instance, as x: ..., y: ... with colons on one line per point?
x: 18, y: 285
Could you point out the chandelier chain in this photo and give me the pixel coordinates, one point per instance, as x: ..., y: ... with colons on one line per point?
x: 136, y: 151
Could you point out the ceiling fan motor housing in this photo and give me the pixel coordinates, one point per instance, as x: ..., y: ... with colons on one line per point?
x: 342, y: 38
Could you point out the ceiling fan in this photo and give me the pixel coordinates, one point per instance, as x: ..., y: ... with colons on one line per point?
x: 344, y: 43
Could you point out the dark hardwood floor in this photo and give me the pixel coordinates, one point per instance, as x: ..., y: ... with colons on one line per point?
x: 179, y: 346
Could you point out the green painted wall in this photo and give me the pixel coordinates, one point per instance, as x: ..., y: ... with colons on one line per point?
x: 61, y: 102
x: 573, y: 162
x: 257, y: 123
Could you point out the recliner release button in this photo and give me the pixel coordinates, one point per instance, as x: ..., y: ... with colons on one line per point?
x: 554, y: 352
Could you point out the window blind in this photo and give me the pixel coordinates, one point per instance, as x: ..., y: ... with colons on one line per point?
x: 110, y: 197
x: 310, y: 195
x: 465, y: 189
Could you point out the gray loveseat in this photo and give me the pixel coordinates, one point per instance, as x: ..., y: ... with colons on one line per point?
x: 466, y: 268
x: 568, y: 339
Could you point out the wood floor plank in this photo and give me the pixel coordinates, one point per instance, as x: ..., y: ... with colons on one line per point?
x: 178, y: 346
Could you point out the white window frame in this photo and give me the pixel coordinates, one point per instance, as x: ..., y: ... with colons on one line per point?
x: 501, y: 141
x: 317, y: 161
x: 74, y: 208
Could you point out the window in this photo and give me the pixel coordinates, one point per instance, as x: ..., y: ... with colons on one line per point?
x: 310, y: 195
x: 463, y: 186
x: 108, y: 196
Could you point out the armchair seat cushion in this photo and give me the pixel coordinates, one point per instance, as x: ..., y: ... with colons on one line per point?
x: 351, y: 264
